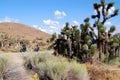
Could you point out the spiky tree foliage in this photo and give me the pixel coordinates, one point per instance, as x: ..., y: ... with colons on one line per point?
x: 60, y: 44
x: 54, y: 36
x: 114, y: 44
x: 100, y: 24
x: 75, y: 38
x: 83, y: 43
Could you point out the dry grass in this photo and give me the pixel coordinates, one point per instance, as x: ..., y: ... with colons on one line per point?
x: 102, y: 72
x: 56, y: 68
x: 5, y: 63
x: 59, y: 68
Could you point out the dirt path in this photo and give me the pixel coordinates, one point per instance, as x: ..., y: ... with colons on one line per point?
x: 17, y: 71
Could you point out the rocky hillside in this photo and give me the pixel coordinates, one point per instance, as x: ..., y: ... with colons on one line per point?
x: 21, y: 31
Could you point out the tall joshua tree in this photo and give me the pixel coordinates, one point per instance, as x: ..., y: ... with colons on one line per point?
x: 82, y: 43
x: 101, y: 17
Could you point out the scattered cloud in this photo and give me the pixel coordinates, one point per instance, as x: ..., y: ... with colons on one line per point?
x: 50, y: 22
x: 108, y: 24
x: 38, y: 27
x: 75, y: 23
x: 42, y: 29
x: 51, y: 31
x: 48, y: 26
x: 59, y: 14
x: 35, y: 26
x: 95, y: 12
x: 117, y: 29
x: 52, y: 26
x: 8, y: 19
x: 110, y: 11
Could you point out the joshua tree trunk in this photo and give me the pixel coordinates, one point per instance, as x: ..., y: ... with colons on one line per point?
x: 100, y: 51
x: 69, y: 47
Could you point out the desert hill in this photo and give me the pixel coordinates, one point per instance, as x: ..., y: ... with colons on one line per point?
x: 21, y: 31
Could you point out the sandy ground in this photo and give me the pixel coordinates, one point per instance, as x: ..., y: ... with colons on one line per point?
x: 17, y: 70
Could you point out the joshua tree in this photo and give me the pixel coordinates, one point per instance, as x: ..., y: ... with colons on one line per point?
x: 102, y: 10
x: 115, y: 45
x: 82, y: 43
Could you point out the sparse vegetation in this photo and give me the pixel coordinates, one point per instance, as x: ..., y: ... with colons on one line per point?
x: 56, y: 68
x: 11, y: 44
x: 80, y: 53
x: 4, y: 66
x: 103, y: 72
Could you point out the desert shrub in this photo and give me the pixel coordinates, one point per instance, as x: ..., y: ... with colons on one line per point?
x: 114, y: 60
x: 99, y: 72
x: 76, y: 71
x: 54, y: 71
x: 63, y: 71
x: 24, y: 41
x: 36, y: 58
x: 4, y: 65
x: 57, y: 68
x: 41, y: 43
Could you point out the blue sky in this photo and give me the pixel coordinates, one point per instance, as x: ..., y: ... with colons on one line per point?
x: 51, y: 15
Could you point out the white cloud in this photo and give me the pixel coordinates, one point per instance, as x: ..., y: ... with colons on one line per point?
x: 50, y: 22
x: 8, y: 19
x: 51, y: 31
x: 52, y: 26
x: 42, y: 29
x: 75, y: 23
x: 35, y: 26
x: 110, y: 11
x: 117, y: 29
x: 16, y: 20
x: 95, y: 12
x: 38, y: 27
x: 48, y: 26
x: 108, y: 24
x: 59, y: 14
